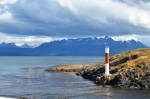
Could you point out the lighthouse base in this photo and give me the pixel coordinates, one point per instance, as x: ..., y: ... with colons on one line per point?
x: 107, y: 69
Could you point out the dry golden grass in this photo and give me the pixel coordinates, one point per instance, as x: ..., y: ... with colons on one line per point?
x: 69, y: 67
x: 143, y: 56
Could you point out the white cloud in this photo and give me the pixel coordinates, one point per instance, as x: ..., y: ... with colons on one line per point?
x: 7, y: 1
x: 139, y: 17
x: 104, y: 13
x: 68, y: 4
x: 142, y: 38
x: 6, y: 18
x: 125, y: 37
x: 5, y: 15
x: 108, y: 11
x: 21, y: 39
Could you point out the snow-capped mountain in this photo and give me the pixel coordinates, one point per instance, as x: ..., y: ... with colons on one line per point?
x: 73, y: 47
x: 24, y: 45
x: 87, y: 46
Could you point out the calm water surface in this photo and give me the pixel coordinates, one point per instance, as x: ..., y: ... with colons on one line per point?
x: 25, y: 77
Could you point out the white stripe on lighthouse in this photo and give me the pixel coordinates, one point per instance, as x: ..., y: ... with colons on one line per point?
x: 106, y: 60
x: 107, y: 49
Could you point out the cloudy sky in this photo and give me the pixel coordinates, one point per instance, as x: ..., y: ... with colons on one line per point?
x: 38, y: 21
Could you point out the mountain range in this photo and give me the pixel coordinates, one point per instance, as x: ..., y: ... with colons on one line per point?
x: 71, y: 47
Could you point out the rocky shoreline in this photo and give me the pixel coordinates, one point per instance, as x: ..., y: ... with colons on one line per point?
x: 130, y: 69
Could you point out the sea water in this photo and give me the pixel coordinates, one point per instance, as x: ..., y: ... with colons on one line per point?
x: 24, y: 76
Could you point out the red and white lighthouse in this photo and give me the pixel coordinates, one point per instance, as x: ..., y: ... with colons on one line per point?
x: 107, y: 60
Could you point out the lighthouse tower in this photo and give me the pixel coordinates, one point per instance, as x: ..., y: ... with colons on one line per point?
x: 107, y: 60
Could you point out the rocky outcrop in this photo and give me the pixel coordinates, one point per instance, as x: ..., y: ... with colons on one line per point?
x: 130, y: 69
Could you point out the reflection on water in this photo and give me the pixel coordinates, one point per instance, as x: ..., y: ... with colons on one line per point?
x: 31, y: 81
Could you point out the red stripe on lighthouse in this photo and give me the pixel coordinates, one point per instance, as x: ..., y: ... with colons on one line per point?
x: 106, y: 58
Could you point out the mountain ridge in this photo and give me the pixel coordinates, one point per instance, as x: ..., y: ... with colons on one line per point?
x: 88, y: 46
x: 72, y: 47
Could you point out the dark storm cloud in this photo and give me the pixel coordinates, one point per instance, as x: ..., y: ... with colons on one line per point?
x: 67, y: 18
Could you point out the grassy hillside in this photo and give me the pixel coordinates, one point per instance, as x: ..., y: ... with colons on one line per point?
x: 128, y: 69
